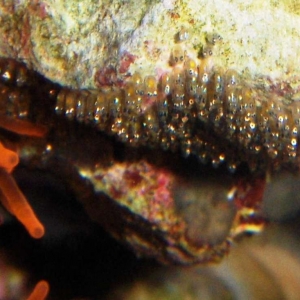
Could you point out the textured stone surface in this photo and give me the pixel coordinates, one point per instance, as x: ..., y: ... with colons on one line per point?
x: 73, y: 41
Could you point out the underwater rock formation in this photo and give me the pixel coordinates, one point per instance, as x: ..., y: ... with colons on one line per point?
x: 161, y: 204
x: 96, y: 43
x: 146, y: 103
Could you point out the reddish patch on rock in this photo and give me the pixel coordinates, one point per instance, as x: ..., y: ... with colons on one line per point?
x: 250, y: 192
x: 106, y: 77
x: 162, y: 195
x: 25, y: 35
x: 39, y: 9
x: 133, y: 178
x: 282, y: 88
x: 174, y: 15
x: 99, y: 177
x: 115, y: 193
x: 126, y: 60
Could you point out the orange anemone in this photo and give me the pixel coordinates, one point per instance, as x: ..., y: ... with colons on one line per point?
x: 12, y: 198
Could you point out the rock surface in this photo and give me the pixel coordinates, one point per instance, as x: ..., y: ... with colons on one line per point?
x: 90, y: 44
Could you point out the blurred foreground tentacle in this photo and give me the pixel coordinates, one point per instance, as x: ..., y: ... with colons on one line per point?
x: 8, y: 158
x: 40, y: 291
x: 22, y: 127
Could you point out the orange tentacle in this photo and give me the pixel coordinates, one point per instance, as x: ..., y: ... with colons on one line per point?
x: 13, y: 199
x: 40, y: 291
x: 19, y: 206
x: 8, y: 159
x: 22, y: 127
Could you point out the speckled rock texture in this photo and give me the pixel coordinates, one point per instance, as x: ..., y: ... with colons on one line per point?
x: 87, y: 44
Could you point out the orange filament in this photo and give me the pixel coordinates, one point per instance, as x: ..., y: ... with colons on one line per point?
x: 18, y: 205
x: 40, y: 292
x: 8, y: 158
x: 12, y: 198
x: 22, y: 127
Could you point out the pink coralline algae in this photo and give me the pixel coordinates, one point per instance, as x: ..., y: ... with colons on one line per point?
x: 175, y: 217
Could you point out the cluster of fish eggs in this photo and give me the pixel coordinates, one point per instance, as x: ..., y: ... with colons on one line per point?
x: 195, y: 107
x: 15, y: 80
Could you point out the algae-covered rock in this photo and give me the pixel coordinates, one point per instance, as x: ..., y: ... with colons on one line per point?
x: 94, y: 43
